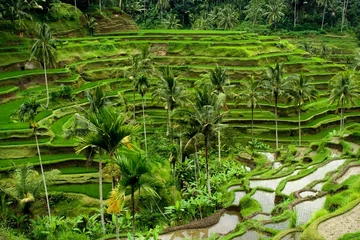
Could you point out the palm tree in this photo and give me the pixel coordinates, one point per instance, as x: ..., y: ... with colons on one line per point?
x: 44, y: 50
x: 142, y: 84
x: 162, y: 5
x: 274, y: 11
x: 168, y: 91
x: 323, y: 3
x: 108, y: 131
x: 346, y: 3
x: 251, y: 90
x: 136, y: 177
x: 27, y: 112
x: 171, y: 21
x: 300, y: 90
x: 357, y: 60
x: 295, y: 4
x: 254, y: 9
x: 220, y: 82
x: 344, y: 89
x: 228, y: 18
x: 274, y: 82
x: 206, y: 117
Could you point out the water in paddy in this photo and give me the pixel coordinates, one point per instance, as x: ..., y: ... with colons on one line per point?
x: 319, y: 174
x: 226, y: 224
x: 238, y: 196
x: 261, y: 217
x: 319, y: 186
x: 306, y: 209
x: 279, y: 226
x: 292, y: 236
x: 269, y: 183
x: 251, y: 235
x: 266, y: 200
x: 350, y: 172
x: 307, y: 193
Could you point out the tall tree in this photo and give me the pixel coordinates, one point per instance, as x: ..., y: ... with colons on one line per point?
x: 107, y: 132
x: 136, y: 177
x: 26, y: 113
x: 274, y: 11
x: 344, y: 90
x: 323, y: 3
x: 228, y: 18
x: 168, y: 91
x: 274, y: 82
x: 44, y: 50
x: 252, y: 92
x: 295, y: 11
x: 254, y: 10
x: 142, y: 85
x: 300, y: 90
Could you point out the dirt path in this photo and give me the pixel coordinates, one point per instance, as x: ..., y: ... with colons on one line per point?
x: 336, y: 227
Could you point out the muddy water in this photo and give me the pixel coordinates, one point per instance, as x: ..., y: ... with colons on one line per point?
x: 226, y: 224
x: 351, y: 171
x: 279, y: 226
x: 307, y: 194
x: 269, y: 183
x: 266, y: 200
x: 238, y: 196
x: 319, y: 186
x: 292, y: 236
x: 305, y: 210
x: 251, y: 235
x: 319, y: 174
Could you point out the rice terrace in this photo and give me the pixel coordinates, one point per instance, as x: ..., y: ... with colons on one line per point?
x: 182, y: 119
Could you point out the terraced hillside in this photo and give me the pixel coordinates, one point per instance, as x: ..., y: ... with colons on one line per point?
x: 84, y: 63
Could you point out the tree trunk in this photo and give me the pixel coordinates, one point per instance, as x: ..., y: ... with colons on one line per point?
x: 341, y: 116
x: 143, y: 109
x: 207, y: 165
x: 46, y: 83
x: 75, y: 5
x: 134, y: 108
x: 323, y: 18
x: 219, y: 145
x: 100, y: 5
x: 343, y: 15
x: 101, y: 193
x: 196, y: 163
x: 180, y: 145
x: 43, y: 175
x: 117, y: 227
x: 295, y: 13
x: 252, y: 122
x: 299, y: 116
x: 120, y: 4
x: 168, y: 121
x: 276, y: 123
x: 133, y: 210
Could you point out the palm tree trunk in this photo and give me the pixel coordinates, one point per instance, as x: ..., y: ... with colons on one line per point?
x: 343, y: 15
x: 133, y: 210
x: 180, y: 145
x: 276, y: 123
x: 299, y: 113
x: 46, y: 83
x: 168, y: 120
x: 143, y: 110
x: 101, y: 192
x: 43, y: 175
x: 117, y: 226
x: 252, y: 122
x: 120, y: 4
x: 295, y: 13
x: 323, y: 18
x: 341, y: 116
x: 219, y: 145
x: 134, y: 108
x: 196, y: 163
x: 207, y: 165
x: 100, y: 5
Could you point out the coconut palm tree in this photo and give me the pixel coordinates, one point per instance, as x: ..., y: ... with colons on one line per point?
x: 254, y: 10
x: 228, y: 18
x: 44, y: 50
x: 274, y: 82
x: 108, y: 131
x: 300, y: 90
x: 26, y: 113
x: 142, y: 84
x: 168, y: 91
x: 323, y: 3
x: 295, y: 12
x: 274, y: 11
x: 221, y: 83
x: 252, y: 92
x: 344, y: 90
x: 136, y: 177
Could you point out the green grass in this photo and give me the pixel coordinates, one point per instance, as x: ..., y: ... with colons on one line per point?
x: 17, y: 74
x: 89, y: 189
x: 77, y: 170
x: 8, y: 89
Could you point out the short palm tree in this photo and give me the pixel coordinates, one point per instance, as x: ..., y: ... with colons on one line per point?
x: 108, y: 131
x: 252, y: 92
x: 344, y: 90
x: 274, y: 82
x: 220, y: 82
x: 44, y: 50
x: 142, y: 85
x: 228, y: 18
x: 274, y: 11
x: 300, y: 90
x: 26, y: 113
x: 136, y: 177
x: 170, y: 93
x: 254, y: 10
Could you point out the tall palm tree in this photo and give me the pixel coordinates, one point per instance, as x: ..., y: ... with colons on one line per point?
x: 142, y: 84
x: 323, y: 3
x: 228, y: 18
x: 251, y: 90
x: 168, y: 91
x: 136, y: 177
x: 274, y: 82
x: 300, y: 90
x: 344, y: 90
x: 221, y: 83
x: 44, y: 50
x: 108, y: 131
x: 26, y: 113
x: 274, y: 12
x: 205, y: 117
x: 254, y: 10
